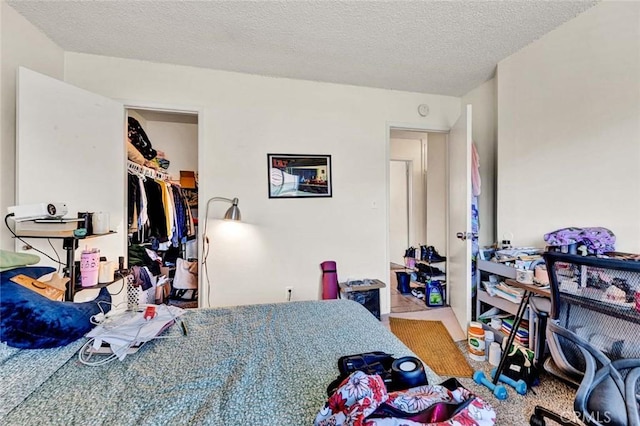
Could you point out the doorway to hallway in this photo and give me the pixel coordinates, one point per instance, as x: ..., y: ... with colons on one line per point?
x: 417, y: 205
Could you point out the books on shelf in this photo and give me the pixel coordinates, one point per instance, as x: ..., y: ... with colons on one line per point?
x: 522, y: 334
x: 508, y: 292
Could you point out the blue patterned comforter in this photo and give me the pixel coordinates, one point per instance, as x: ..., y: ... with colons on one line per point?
x: 247, y: 365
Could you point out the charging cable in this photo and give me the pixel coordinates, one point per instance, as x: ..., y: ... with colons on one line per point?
x: 6, y: 222
x: 113, y: 320
x: 56, y: 252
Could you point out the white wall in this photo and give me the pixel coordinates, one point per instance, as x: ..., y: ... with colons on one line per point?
x: 22, y: 44
x: 179, y: 142
x: 283, y: 241
x: 569, y: 129
x: 411, y: 150
x: 399, y: 217
x: 485, y: 110
x: 437, y: 184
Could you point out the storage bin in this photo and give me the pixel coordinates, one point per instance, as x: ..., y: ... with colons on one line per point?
x: 366, y: 292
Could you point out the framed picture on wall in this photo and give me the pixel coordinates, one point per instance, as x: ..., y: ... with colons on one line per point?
x: 299, y: 176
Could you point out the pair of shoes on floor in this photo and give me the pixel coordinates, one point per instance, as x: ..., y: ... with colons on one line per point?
x: 430, y: 254
x: 418, y: 293
x: 429, y: 270
x: 410, y: 252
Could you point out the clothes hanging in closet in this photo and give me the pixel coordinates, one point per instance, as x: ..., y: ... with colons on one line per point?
x: 158, y: 210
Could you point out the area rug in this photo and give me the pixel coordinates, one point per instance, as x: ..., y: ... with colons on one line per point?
x: 431, y: 342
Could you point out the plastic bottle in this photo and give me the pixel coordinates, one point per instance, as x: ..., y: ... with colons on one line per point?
x: 495, y: 353
x: 434, y: 296
x: 489, y: 338
x: 89, y: 267
x: 475, y: 339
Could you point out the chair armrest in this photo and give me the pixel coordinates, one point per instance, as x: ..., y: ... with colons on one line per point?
x: 627, y: 388
x: 626, y: 363
x: 587, y: 383
x: 631, y: 383
x: 554, y: 328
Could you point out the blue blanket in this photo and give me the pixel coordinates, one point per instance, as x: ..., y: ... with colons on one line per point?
x: 247, y: 365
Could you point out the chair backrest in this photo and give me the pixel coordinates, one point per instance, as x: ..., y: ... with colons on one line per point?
x: 593, y: 308
x: 593, y: 331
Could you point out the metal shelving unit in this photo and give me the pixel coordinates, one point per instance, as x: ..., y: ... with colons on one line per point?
x: 504, y: 272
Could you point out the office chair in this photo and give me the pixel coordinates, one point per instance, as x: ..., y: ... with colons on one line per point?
x: 593, y: 334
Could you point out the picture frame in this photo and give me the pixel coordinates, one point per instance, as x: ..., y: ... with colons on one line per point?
x: 299, y: 176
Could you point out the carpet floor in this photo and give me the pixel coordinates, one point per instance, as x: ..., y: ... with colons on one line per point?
x: 551, y: 393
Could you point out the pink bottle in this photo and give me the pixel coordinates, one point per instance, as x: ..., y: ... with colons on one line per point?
x: 89, y: 267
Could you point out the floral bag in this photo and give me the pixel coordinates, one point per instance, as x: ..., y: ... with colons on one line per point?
x: 362, y: 400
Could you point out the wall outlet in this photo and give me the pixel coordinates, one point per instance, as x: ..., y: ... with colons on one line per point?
x: 288, y: 296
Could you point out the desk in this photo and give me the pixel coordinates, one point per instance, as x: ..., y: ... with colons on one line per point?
x: 529, y: 289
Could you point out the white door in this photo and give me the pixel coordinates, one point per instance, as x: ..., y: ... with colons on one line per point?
x: 398, y: 210
x: 70, y: 149
x: 459, y: 250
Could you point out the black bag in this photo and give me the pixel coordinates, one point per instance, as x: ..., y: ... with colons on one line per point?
x: 519, y: 366
x: 380, y: 363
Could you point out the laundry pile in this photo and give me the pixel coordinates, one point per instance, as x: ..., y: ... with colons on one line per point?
x: 596, y: 240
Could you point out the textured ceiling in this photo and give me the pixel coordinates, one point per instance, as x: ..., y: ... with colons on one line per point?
x: 441, y: 47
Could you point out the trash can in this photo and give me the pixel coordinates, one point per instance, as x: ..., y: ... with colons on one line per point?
x: 366, y: 292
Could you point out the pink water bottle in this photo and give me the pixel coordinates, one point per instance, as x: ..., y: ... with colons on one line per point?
x: 89, y: 267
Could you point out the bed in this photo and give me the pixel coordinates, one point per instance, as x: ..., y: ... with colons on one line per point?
x: 259, y: 364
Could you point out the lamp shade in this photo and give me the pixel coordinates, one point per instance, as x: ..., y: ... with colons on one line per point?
x: 233, y: 213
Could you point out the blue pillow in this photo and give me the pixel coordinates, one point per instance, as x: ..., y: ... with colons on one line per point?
x: 29, y: 320
x: 34, y: 272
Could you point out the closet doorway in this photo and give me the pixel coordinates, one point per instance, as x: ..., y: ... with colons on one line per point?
x: 425, y: 188
x: 162, y: 203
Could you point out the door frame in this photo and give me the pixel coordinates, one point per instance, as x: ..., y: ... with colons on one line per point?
x: 409, y: 195
x: 416, y: 128
x: 203, y: 290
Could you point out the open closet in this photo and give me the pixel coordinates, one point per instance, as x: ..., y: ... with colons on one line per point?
x: 162, y: 205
